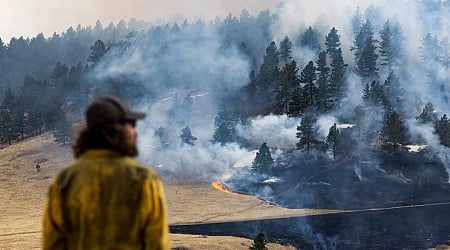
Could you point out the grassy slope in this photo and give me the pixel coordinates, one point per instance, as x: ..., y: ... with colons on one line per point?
x: 23, y: 194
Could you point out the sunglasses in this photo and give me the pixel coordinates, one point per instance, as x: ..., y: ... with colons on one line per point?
x: 128, y: 121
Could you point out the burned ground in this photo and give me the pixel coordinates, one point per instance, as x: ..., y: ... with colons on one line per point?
x: 417, y: 227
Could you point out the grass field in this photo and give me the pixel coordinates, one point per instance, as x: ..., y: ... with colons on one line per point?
x: 23, y: 194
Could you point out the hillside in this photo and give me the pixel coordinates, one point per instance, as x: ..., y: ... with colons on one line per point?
x: 23, y: 194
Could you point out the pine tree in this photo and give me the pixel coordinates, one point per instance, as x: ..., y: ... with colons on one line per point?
x: 6, y: 118
x: 338, y: 77
x: 366, y: 66
x: 358, y: 117
x: 307, y: 77
x: 356, y: 21
x: 310, y: 39
x: 269, y: 70
x: 325, y: 101
x: 186, y: 136
x: 63, y: 131
x: 393, y: 92
x: 428, y: 115
x: 98, y: 50
x: 163, y: 136
x: 391, y: 44
x: 338, y: 68
x: 431, y: 54
x: 332, y: 139
x: 374, y: 94
x: 250, y: 90
x: 285, y: 50
x: 365, y: 32
x: 307, y: 132
x: 289, y: 80
x: 225, y: 127
x: 430, y: 49
x: 443, y: 130
x: 259, y: 243
x: 332, y: 42
x: 298, y: 103
x: 263, y: 161
x: 394, y: 131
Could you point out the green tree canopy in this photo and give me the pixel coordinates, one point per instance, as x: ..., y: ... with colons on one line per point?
x: 263, y: 161
x: 186, y: 136
x: 307, y: 131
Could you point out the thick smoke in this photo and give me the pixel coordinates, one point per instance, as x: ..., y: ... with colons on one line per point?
x: 414, y: 18
x: 277, y: 131
x: 188, y: 73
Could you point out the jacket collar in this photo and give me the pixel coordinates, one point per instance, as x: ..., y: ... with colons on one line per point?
x: 100, y: 153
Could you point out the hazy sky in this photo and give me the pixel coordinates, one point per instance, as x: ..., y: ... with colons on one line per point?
x: 29, y: 17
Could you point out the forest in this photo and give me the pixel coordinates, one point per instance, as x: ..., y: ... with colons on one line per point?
x: 365, y: 90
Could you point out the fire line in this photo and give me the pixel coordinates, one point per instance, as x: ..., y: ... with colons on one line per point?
x: 221, y: 187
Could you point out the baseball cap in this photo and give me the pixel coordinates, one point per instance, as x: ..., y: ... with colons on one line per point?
x: 109, y: 109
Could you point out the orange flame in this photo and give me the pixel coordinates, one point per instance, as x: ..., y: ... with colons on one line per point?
x: 219, y: 186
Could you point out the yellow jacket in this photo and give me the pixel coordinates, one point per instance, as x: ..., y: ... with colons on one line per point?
x: 106, y: 201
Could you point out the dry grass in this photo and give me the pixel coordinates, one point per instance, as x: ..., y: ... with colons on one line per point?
x: 23, y: 194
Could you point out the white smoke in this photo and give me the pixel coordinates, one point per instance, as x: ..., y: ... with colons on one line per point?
x: 193, y: 64
x: 277, y: 131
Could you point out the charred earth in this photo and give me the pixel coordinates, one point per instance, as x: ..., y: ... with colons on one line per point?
x: 390, y: 200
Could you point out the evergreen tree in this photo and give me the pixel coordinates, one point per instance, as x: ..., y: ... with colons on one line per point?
x: 324, y: 88
x: 6, y: 118
x: 63, y: 131
x: 285, y: 51
x: 358, y: 117
x: 225, y: 127
x: 374, y: 94
x: 298, y: 103
x: 332, y: 139
x: 263, y: 161
x: 250, y: 90
x: 332, y: 42
x: 19, y: 116
x: 443, y: 130
x: 431, y: 54
x: 58, y: 78
x: 307, y: 77
x: 428, y: 115
x: 393, y: 92
x: 307, y: 132
x: 366, y: 66
x: 310, y: 39
x: 288, y: 82
x: 98, y: 50
x: 365, y: 32
x: 186, y: 136
x: 163, y: 136
x: 430, y: 49
x: 337, y: 70
x: 338, y: 77
x: 6, y: 126
x: 33, y: 91
x: 390, y: 44
x: 259, y: 243
x: 356, y: 21
x: 269, y: 71
x: 394, y: 131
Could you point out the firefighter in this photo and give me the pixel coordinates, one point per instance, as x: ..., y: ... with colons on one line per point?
x: 105, y: 199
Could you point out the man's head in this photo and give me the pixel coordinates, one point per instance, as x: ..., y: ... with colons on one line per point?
x: 110, y: 124
x: 109, y: 110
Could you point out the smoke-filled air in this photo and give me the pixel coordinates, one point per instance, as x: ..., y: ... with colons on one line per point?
x: 322, y: 104
x: 190, y: 72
